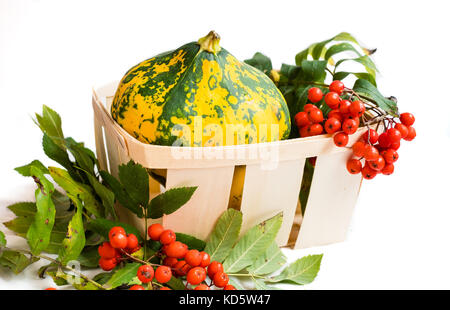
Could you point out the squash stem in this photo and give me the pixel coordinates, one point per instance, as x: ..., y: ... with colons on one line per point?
x: 210, y: 42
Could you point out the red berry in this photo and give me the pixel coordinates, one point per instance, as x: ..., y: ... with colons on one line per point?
x: 340, y: 139
x: 50, y: 289
x: 315, y: 115
x: 170, y: 261
x: 205, y: 259
x: 107, y: 251
x: 402, y: 128
x: 202, y: 287
x: 373, y: 136
x: 390, y: 156
x: 181, y: 268
x: 357, y: 108
x: 344, y: 106
x: 411, y: 134
x: 315, y: 129
x: 377, y: 164
x: 388, y: 169
x: 332, y: 99
x: 315, y: 94
x: 337, y: 86
x: 301, y: 119
x: 354, y: 166
x: 384, y: 140
x: 165, y: 288
x: 395, y: 146
x: 220, y: 279
x: 132, y: 241
x: 145, y: 273
x: 229, y: 287
x: 214, y: 268
x: 107, y: 264
x: 119, y: 241
x: 163, y: 274
x: 193, y: 258
x: 371, y: 153
x: 154, y: 231
x: 176, y: 249
x: 116, y: 230
x: 196, y: 275
x: 336, y: 114
x: 349, y: 126
x: 167, y: 236
x: 407, y: 119
x: 332, y: 125
x: 368, y: 173
x: 304, y: 131
x: 308, y: 107
x: 394, y: 135
x: 359, y: 148
x: 137, y: 288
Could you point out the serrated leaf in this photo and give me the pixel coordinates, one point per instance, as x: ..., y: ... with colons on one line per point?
x: 123, y: 276
x: 2, y: 240
x: 236, y: 283
x: 50, y: 123
x: 57, y: 278
x: 365, y: 61
x: 261, y: 62
x: 32, y: 169
x: 272, y: 260
x: 81, y: 154
x: 224, y: 235
x: 62, y: 278
x: 89, y: 257
x: 105, y: 195
x: 365, y: 88
x: 15, y: 261
x: 176, y: 284
x: 191, y: 241
x: 76, y: 189
x: 253, y: 244
x: 120, y: 194
x: 314, y: 70
x: 102, y: 226
x: 102, y: 277
x: 75, y: 239
x: 339, y: 48
x: 135, y: 180
x: 302, y: 271
x: 169, y: 201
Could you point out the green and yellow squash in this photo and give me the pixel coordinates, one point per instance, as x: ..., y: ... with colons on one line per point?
x: 194, y: 94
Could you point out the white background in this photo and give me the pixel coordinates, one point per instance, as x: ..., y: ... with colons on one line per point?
x: 54, y: 52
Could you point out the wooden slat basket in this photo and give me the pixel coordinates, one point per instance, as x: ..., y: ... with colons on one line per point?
x: 232, y: 176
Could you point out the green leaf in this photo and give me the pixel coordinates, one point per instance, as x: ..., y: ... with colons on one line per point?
x: 57, y: 278
x: 105, y: 195
x: 308, y: 173
x: 82, y: 155
x: 62, y: 278
x: 302, y: 271
x: 102, y: 277
x: 314, y: 70
x: 15, y: 261
x: 360, y: 75
x: 50, y: 124
x: 272, y: 260
x: 191, y: 241
x: 123, y: 276
x: 75, y: 240
x: 2, y: 240
x: 39, y: 233
x: 169, y: 201
x: 365, y: 61
x: 102, y: 226
x: 253, y: 244
x: 339, y: 48
x: 261, y: 62
x: 120, y: 194
x: 135, y: 180
x: 365, y: 88
x: 176, y: 284
x: 76, y: 189
x: 224, y: 235
x: 34, y: 168
x: 89, y: 257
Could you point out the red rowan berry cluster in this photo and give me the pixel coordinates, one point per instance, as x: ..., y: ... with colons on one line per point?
x: 120, y: 244
x: 176, y: 260
x: 344, y: 119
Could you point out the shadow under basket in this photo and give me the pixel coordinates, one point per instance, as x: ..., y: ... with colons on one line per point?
x: 258, y: 187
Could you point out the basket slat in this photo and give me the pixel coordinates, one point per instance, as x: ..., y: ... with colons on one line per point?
x: 332, y: 197
x: 267, y: 192
x: 199, y: 215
